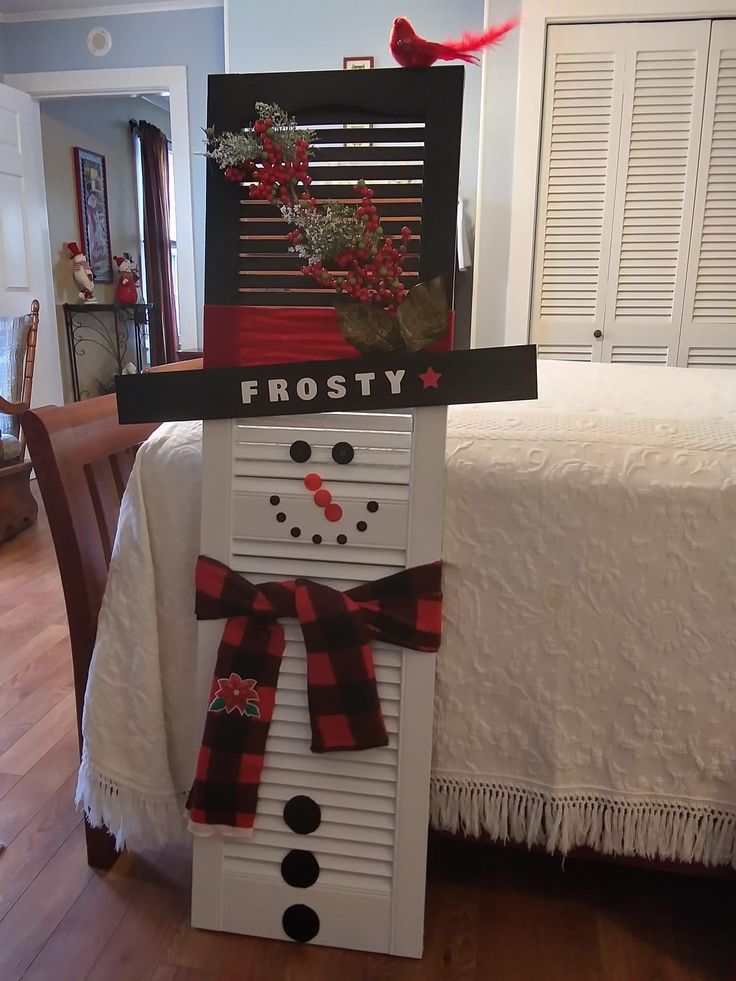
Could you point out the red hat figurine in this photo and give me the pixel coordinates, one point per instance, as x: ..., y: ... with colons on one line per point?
x: 127, y: 290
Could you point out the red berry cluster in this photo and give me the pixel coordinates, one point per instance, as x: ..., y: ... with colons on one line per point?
x: 373, y: 266
x: 274, y: 179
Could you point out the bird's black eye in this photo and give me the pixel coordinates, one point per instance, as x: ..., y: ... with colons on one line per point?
x: 342, y: 452
x: 300, y: 451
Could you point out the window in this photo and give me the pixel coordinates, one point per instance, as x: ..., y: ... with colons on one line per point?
x: 141, y: 224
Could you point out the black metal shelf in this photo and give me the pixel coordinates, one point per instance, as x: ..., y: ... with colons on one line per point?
x: 122, y: 336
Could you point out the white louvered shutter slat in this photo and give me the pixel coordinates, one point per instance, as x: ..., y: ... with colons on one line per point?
x: 656, y: 178
x: 583, y: 90
x: 708, y: 336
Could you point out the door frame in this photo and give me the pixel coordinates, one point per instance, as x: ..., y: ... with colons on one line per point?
x: 536, y: 15
x: 142, y: 81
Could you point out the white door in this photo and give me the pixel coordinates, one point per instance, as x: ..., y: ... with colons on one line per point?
x: 25, y: 255
x: 708, y: 335
x: 582, y: 123
x: 657, y: 172
x: 618, y: 172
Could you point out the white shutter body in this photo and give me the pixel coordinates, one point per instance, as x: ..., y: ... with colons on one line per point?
x: 371, y: 842
x: 708, y: 336
x: 655, y: 188
x: 583, y: 91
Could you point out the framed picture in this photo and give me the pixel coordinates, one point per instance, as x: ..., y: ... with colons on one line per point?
x: 351, y: 63
x: 94, y: 226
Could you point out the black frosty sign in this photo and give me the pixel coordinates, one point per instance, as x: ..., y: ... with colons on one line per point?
x: 391, y: 381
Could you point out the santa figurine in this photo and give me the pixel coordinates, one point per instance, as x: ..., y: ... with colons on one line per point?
x: 82, y: 273
x: 127, y: 289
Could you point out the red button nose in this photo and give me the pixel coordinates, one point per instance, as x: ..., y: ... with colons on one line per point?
x: 322, y: 498
x: 313, y: 481
x: 333, y: 512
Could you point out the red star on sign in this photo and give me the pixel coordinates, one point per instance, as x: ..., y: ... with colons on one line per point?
x: 430, y: 378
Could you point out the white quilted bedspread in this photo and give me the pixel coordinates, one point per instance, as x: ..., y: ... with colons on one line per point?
x: 586, y: 689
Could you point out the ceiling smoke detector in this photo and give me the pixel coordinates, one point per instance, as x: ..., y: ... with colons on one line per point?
x: 99, y: 41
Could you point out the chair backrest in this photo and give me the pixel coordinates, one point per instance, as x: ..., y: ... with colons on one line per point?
x: 83, y: 457
x: 17, y: 360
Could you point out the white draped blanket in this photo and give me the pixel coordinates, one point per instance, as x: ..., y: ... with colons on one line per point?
x: 586, y: 689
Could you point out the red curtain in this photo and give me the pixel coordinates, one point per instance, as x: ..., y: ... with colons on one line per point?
x: 164, y: 338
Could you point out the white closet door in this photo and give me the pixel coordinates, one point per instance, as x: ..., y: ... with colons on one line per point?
x: 708, y: 335
x: 582, y: 110
x: 656, y: 177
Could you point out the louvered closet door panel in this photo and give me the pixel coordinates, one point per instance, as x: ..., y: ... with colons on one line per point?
x: 655, y: 187
x: 582, y: 109
x: 708, y: 336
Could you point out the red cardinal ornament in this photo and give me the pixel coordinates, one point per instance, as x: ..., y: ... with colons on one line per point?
x: 413, y: 51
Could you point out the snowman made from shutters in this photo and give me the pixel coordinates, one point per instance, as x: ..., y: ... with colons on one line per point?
x: 336, y: 854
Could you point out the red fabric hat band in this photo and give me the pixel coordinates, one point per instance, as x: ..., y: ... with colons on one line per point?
x: 244, y: 335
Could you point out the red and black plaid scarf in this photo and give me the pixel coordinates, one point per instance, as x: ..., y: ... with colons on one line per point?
x: 404, y: 609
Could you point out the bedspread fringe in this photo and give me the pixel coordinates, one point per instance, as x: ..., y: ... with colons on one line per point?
x: 131, y: 816
x: 648, y: 828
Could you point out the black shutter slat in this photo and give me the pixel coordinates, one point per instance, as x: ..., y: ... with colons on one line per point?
x: 371, y: 153
x: 369, y: 172
x: 268, y: 226
x: 293, y: 280
x: 280, y: 260
x: 409, y: 207
x: 374, y: 134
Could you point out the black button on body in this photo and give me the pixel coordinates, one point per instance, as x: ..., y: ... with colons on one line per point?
x: 300, y: 923
x: 342, y: 452
x: 302, y: 814
x: 300, y: 451
x: 300, y: 868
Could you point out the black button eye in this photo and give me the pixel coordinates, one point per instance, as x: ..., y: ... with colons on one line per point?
x: 300, y: 451
x: 342, y: 452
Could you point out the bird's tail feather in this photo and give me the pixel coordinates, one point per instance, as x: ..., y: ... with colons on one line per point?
x: 444, y: 52
x: 476, y: 42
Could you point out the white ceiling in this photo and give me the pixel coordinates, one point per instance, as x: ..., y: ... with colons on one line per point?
x: 14, y: 10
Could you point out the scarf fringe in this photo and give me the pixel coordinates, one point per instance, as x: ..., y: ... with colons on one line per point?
x: 648, y: 828
x: 131, y: 817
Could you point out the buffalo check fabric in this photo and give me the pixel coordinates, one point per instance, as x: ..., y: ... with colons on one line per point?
x: 345, y: 712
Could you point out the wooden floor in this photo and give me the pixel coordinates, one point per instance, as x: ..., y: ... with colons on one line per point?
x: 492, y: 915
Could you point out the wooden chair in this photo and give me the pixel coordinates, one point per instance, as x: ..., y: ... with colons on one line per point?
x: 83, y: 458
x: 18, y: 508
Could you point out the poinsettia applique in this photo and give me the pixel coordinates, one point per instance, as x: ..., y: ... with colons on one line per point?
x: 236, y: 693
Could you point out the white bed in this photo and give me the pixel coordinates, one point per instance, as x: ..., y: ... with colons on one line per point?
x: 586, y: 689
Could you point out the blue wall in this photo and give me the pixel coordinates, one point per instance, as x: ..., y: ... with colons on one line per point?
x: 321, y: 34
x: 190, y: 37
